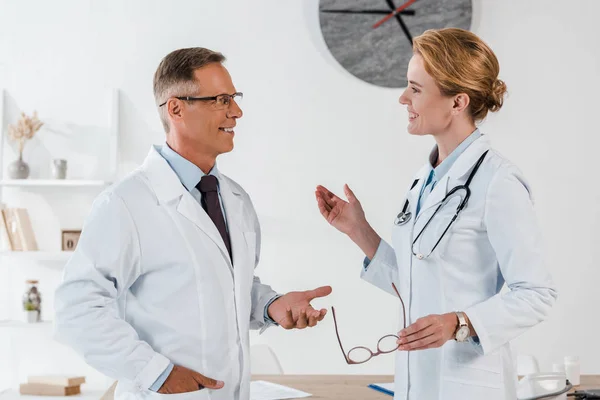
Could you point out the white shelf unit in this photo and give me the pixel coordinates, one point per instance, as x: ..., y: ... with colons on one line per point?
x: 62, y: 183
x: 25, y: 325
x: 54, y: 188
x: 41, y: 256
x: 29, y: 263
x: 13, y: 394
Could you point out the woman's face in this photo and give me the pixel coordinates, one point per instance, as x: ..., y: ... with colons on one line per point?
x: 429, y: 112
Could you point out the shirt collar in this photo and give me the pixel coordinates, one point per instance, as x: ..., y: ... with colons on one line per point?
x: 189, y: 173
x: 444, y: 167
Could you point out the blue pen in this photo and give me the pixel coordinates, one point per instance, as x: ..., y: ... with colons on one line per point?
x: 382, y: 390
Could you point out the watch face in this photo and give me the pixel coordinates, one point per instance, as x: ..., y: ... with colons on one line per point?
x: 378, y: 52
x: 462, y: 334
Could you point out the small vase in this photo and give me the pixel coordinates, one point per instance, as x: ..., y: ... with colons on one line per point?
x: 32, y: 301
x: 59, y: 169
x: 32, y: 316
x: 18, y: 169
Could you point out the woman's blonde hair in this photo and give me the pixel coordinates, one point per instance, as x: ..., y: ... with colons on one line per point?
x: 460, y: 62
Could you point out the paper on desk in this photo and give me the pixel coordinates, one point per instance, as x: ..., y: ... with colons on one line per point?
x: 261, y: 390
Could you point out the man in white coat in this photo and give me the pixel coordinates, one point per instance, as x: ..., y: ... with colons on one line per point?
x: 160, y: 293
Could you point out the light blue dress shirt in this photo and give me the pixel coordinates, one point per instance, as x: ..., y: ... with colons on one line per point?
x: 190, y: 174
x: 437, y: 173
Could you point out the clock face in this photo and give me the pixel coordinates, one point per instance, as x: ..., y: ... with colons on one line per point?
x: 378, y: 52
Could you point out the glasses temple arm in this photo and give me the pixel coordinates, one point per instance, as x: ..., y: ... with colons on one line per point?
x: 338, y: 336
x: 403, y: 307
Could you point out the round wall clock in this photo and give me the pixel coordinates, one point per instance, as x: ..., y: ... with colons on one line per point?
x: 372, y: 39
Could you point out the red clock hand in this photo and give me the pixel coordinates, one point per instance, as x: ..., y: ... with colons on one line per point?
x: 393, y: 13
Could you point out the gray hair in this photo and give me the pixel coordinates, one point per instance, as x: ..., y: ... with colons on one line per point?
x: 175, y: 75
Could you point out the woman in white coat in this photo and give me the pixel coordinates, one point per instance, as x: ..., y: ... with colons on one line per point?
x: 459, y: 324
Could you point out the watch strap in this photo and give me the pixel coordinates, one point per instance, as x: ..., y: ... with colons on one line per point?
x: 462, y: 321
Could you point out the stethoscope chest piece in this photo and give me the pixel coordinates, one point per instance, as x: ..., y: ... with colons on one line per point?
x: 402, y: 218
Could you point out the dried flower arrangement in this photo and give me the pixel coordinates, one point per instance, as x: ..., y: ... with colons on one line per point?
x: 24, y: 130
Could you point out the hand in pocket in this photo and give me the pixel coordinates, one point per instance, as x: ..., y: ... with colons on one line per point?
x: 183, y: 380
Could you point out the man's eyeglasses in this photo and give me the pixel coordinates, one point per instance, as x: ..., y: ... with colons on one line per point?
x: 385, y: 345
x: 220, y: 101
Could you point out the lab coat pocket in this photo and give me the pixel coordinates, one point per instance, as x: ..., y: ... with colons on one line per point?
x: 461, y: 233
x: 202, y: 394
x: 465, y: 366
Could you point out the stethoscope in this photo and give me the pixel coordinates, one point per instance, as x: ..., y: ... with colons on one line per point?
x: 405, y: 215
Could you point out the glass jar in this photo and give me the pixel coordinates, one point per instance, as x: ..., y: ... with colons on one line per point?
x: 32, y: 300
x: 573, y: 370
x: 59, y: 169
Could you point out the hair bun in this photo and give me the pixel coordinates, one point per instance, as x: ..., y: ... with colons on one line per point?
x: 496, y: 97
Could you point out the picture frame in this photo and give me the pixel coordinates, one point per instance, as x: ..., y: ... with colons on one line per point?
x: 70, y: 238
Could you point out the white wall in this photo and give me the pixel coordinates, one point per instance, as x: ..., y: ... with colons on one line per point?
x: 309, y: 122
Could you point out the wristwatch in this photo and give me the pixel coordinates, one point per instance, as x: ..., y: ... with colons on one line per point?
x: 462, y: 330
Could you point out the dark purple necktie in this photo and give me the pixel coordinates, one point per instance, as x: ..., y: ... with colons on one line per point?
x: 208, y: 186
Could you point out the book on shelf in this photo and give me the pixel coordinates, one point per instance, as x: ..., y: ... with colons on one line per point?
x: 60, y: 380
x: 5, y: 243
x: 19, y: 228
x: 41, y: 389
x: 52, y: 385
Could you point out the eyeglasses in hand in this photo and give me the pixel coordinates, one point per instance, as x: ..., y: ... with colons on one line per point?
x: 385, y: 345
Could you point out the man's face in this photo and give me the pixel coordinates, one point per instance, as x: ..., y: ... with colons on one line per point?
x: 207, y: 126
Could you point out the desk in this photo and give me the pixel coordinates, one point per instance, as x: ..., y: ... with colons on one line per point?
x: 322, y: 387
x: 588, y: 382
x: 13, y: 394
x: 332, y: 387
x: 351, y: 387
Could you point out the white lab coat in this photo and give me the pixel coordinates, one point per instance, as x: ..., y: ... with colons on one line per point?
x: 495, y: 240
x: 151, y: 281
